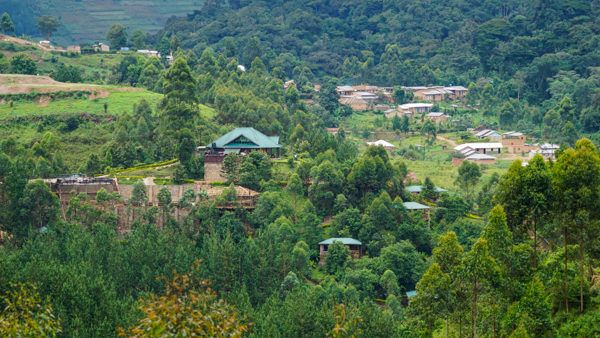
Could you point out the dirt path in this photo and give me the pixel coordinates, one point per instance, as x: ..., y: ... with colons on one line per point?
x: 449, y: 141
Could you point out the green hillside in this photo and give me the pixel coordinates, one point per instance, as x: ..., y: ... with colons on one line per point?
x: 86, y: 20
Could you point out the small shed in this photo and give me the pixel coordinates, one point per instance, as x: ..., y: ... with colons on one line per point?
x: 354, y: 245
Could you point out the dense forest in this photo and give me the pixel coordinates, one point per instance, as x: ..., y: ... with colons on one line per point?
x: 504, y: 251
x: 520, y: 59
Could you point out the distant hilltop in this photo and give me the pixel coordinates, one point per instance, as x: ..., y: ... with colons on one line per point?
x: 86, y: 20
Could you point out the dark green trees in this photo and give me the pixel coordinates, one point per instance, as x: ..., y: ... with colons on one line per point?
x: 6, y: 24
x: 117, y: 37
x: 47, y: 25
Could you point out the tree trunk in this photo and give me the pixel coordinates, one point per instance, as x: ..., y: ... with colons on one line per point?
x: 582, y: 270
x: 565, y: 290
x: 474, y: 311
x: 535, y: 256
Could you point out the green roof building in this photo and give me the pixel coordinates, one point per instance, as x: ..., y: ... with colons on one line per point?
x: 244, y: 140
x: 238, y: 141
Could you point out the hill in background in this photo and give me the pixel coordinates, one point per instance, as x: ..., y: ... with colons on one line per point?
x: 89, y: 20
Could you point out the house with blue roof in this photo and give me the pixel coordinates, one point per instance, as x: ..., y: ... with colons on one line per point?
x: 355, y: 247
x: 238, y: 141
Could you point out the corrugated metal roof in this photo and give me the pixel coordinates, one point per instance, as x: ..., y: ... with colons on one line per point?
x: 415, y: 206
x: 343, y: 240
x: 258, y: 139
x: 419, y: 188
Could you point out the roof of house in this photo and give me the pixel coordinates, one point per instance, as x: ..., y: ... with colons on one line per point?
x: 415, y: 206
x: 456, y: 88
x: 479, y: 145
x: 479, y: 157
x: 436, y: 114
x: 512, y: 133
x: 343, y: 240
x: 415, y: 105
x: 381, y: 143
x: 487, y: 132
x: 256, y: 139
x: 419, y: 188
x: 549, y: 146
x: 410, y: 294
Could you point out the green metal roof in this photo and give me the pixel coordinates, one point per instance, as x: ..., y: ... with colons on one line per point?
x: 343, y: 240
x: 414, y: 206
x: 419, y: 188
x: 246, y: 138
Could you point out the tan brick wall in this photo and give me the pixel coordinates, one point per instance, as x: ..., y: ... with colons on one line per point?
x: 212, y: 172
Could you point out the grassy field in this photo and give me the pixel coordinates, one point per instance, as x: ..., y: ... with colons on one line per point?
x: 119, y: 100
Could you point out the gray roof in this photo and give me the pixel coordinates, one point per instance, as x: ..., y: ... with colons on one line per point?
x: 415, y: 206
x: 343, y: 240
x: 258, y: 139
x: 418, y: 188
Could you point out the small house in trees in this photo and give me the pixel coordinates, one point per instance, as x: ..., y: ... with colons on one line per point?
x: 416, y: 189
x: 238, y: 141
x: 382, y: 143
x: 355, y: 247
x: 418, y: 207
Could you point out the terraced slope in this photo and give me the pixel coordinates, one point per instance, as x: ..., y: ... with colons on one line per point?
x: 89, y: 20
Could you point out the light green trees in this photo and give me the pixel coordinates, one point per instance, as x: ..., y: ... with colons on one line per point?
x: 337, y: 256
x: 468, y: 176
x: 479, y: 268
x: 25, y: 314
x: 434, y: 296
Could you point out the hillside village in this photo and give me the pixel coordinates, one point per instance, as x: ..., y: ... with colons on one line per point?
x: 300, y: 169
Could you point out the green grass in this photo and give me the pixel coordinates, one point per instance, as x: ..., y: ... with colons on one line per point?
x: 119, y: 101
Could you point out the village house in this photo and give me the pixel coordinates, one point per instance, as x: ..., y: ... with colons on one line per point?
x: 457, y: 92
x: 360, y: 100
x: 468, y: 149
x: 74, y: 49
x: 101, y: 47
x: 437, y: 117
x: 149, y: 53
x: 381, y: 143
x: 238, y: 141
x: 437, y: 93
x: 415, y: 108
x: 547, y: 150
x: 481, y: 158
x: 514, y: 142
x: 490, y: 134
x: 363, y: 97
x: 355, y: 247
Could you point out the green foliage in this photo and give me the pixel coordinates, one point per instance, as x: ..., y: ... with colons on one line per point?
x: 6, y: 24
x: 47, y: 25
x: 26, y: 315
x: 22, y: 64
x: 337, y: 256
x: 468, y: 176
x: 117, y: 36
